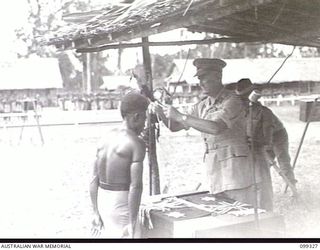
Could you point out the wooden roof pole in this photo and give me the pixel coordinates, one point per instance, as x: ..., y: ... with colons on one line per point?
x: 86, y: 73
x: 154, y: 178
x: 168, y: 43
x: 88, y: 82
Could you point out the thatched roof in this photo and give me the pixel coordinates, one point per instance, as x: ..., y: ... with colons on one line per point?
x: 294, y: 22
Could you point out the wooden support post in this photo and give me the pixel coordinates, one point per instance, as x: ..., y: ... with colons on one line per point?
x: 86, y: 73
x: 154, y: 180
x: 88, y: 82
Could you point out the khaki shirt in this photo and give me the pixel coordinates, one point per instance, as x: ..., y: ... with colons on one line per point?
x: 227, y: 160
x: 265, y: 123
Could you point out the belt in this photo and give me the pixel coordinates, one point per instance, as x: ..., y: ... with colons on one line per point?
x: 214, y: 146
x: 114, y: 187
x: 211, y: 146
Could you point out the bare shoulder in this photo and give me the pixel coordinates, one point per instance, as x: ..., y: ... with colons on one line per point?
x: 141, y: 143
x: 138, y: 148
x: 137, y: 142
x: 126, y: 140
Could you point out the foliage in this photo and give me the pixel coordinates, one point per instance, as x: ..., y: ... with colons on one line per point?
x: 98, y: 70
x: 162, y: 65
x: 309, y: 52
x: 235, y: 50
x: 44, y: 15
x: 241, y: 50
x: 47, y: 16
x: 71, y: 77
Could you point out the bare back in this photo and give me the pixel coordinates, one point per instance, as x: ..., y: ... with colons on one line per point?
x: 115, y: 156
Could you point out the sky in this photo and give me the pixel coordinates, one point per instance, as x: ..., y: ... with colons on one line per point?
x: 11, y: 17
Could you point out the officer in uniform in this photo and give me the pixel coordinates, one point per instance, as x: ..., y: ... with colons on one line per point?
x: 220, y: 117
x: 267, y: 130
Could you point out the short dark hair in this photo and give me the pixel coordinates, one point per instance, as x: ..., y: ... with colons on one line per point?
x: 133, y: 102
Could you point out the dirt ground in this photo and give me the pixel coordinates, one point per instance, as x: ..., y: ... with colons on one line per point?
x: 44, y: 189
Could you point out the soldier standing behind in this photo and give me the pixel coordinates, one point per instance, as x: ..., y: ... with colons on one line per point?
x: 220, y: 117
x: 268, y: 131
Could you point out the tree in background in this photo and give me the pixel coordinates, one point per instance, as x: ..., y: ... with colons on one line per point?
x: 45, y: 16
x: 161, y: 65
x: 236, y: 50
x: 309, y: 52
x: 70, y: 73
x: 98, y: 69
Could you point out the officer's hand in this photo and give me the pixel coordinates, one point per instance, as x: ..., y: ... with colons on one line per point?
x: 156, y: 108
x: 293, y: 188
x: 172, y: 113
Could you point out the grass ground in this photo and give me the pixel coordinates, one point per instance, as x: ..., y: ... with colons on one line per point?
x: 44, y: 189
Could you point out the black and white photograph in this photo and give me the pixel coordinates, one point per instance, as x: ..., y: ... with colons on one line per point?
x: 159, y: 120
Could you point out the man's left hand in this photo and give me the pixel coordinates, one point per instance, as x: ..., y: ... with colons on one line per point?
x: 128, y: 231
x: 97, y: 225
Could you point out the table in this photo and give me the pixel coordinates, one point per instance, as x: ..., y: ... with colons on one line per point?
x: 199, y: 223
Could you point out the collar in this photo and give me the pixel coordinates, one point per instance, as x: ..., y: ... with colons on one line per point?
x: 220, y: 96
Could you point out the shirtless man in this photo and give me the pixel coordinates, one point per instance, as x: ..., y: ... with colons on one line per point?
x: 116, y: 186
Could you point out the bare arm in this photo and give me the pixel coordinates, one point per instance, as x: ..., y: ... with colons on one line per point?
x: 135, y: 189
x: 94, y: 184
x: 97, y: 222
